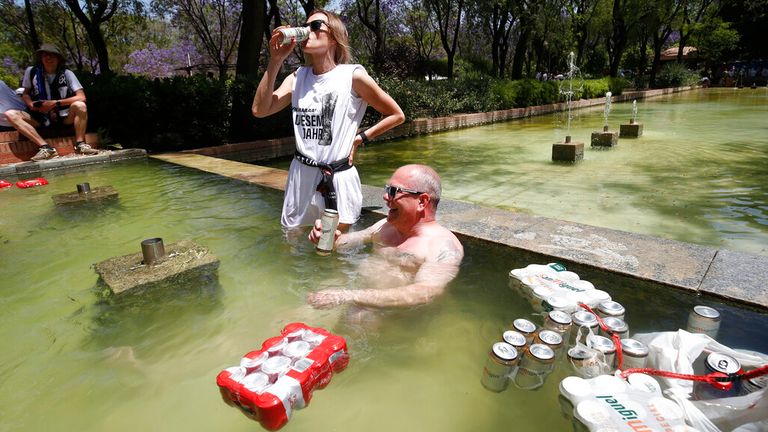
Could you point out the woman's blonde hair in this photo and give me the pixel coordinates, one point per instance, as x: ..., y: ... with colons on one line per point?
x: 338, y: 32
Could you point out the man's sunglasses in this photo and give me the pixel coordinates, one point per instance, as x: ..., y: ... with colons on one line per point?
x: 314, y: 25
x: 392, y: 191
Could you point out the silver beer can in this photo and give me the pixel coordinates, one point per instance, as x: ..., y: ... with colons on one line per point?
x: 501, y: 361
x: 605, y: 346
x: 551, y: 339
x: 615, y: 326
x: 534, y: 367
x: 585, y: 362
x: 515, y: 338
x: 300, y: 33
x: 330, y: 221
x: 635, y: 354
x: 527, y: 328
x: 558, y: 321
x: 721, y: 365
x: 610, y: 308
x: 704, y: 319
x: 581, y: 319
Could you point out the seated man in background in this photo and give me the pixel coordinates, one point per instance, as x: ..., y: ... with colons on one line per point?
x: 414, y: 256
x: 9, y: 100
x: 52, y: 95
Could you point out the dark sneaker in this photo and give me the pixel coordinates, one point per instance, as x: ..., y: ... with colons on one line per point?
x: 44, y: 154
x: 85, y: 149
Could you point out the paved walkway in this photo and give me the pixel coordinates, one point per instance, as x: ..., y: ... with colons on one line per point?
x: 720, y: 272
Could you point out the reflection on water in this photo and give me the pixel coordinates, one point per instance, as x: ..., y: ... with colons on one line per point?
x: 82, y: 361
x: 697, y: 174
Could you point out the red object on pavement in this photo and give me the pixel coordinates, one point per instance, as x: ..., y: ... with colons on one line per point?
x: 5, y: 184
x: 277, y: 379
x: 32, y: 182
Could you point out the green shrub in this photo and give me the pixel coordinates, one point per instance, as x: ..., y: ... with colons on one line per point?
x: 675, y: 75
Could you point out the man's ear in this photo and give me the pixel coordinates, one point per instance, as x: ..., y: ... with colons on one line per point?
x: 424, y: 200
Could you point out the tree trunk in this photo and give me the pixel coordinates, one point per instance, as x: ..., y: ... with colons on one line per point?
x: 31, y: 22
x: 521, y: 49
x: 247, y: 68
x: 254, y: 16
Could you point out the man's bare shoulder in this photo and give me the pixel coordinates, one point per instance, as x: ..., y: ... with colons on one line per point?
x: 445, y: 247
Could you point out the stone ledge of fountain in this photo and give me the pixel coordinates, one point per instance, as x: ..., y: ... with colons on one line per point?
x: 568, y: 151
x: 185, y: 261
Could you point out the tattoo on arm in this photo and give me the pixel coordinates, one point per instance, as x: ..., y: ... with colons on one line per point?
x: 449, y: 254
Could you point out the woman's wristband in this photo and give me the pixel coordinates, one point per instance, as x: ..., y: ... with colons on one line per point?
x: 364, y: 137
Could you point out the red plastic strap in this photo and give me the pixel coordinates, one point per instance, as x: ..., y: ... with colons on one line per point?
x: 614, y: 336
x: 715, y: 377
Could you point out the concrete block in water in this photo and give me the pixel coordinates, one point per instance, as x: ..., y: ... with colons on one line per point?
x: 185, y: 261
x: 605, y: 139
x: 101, y: 193
x: 631, y: 130
x: 567, y: 151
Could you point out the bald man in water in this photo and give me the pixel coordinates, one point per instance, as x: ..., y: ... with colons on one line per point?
x: 415, y: 256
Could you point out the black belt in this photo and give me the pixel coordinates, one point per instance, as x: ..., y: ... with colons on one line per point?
x: 325, y: 187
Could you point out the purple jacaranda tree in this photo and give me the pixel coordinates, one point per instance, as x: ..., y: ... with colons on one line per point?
x: 163, y: 62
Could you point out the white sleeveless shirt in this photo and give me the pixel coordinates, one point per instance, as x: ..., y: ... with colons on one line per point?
x: 326, y: 113
x: 326, y: 116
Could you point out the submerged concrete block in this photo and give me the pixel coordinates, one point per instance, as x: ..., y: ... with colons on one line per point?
x: 567, y: 151
x: 185, y: 261
x: 101, y: 193
x: 605, y: 139
x: 631, y: 130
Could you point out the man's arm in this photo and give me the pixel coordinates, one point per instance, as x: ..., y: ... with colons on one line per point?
x: 430, y: 281
x: 347, y: 241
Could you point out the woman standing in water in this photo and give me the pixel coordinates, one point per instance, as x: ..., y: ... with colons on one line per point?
x: 329, y: 98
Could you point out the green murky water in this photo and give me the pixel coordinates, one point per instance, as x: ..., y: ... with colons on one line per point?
x: 74, y: 360
x: 699, y: 173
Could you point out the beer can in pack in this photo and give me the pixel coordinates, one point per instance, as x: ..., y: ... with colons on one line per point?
x: 605, y: 346
x: 256, y: 382
x: 610, y: 308
x: 581, y: 319
x: 502, y: 359
x: 330, y: 220
x: 551, y: 339
x: 527, y: 328
x: 275, y: 367
x: 704, y: 319
x: 585, y: 362
x: 534, y: 367
x: 615, y: 326
x: 721, y: 365
x: 300, y: 33
x: 516, y: 339
x: 251, y: 364
x: 297, y: 349
x: 555, y: 303
x: 635, y: 354
x: 558, y: 321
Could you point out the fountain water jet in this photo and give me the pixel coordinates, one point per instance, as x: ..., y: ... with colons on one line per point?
x: 568, y: 151
x: 633, y: 129
x: 605, y: 138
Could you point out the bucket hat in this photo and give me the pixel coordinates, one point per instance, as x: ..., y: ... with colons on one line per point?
x: 49, y: 48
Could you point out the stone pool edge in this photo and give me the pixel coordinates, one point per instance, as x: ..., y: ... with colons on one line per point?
x: 732, y: 275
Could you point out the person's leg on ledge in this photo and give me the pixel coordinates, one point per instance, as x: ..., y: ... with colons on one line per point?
x: 78, y: 115
x: 23, y: 122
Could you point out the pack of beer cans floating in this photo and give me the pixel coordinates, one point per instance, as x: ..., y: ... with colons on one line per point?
x: 273, y: 381
x: 608, y: 402
x: 553, y: 287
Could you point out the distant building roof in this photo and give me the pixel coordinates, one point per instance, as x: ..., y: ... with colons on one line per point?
x: 689, y: 52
